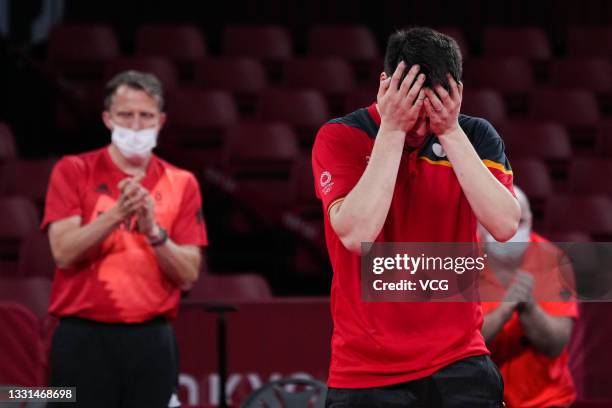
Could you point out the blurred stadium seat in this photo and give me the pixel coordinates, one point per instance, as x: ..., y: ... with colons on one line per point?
x: 592, y: 404
x: 26, y: 178
x: 604, y: 139
x: 180, y: 43
x: 532, y: 176
x: 360, y: 97
x: 302, y: 189
x: 576, y: 109
x: 270, y: 44
x: 31, y: 292
x: 237, y: 75
x: 304, y: 219
x: 567, y: 236
x: 590, y: 176
x: 511, y: 76
x: 258, y: 156
x: 331, y: 76
x: 22, y: 358
x: 542, y: 140
x: 245, y: 78
x: 256, y: 148
x: 198, y: 121
x: 525, y: 42
x: 79, y: 51
x: 35, y: 258
x: 592, y: 215
x: 18, y: 221
x: 262, y: 42
x: 570, y: 107
x: 593, y: 74
x: 281, y: 105
x: 589, y: 42
x: 486, y: 104
x: 199, y: 118
x: 508, y: 75
x: 8, y: 147
x: 354, y: 43
x: 238, y: 288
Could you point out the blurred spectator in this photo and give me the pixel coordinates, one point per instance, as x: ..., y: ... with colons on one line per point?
x: 125, y: 229
x: 528, y: 331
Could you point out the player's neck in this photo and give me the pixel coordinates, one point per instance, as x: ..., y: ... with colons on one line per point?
x: 125, y: 165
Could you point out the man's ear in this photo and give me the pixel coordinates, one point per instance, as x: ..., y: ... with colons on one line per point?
x: 162, y: 119
x: 107, y: 120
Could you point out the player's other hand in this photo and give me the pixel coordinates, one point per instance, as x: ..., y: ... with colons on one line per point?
x: 400, y: 101
x: 442, y: 107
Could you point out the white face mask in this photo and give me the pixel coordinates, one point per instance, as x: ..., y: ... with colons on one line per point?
x: 516, y: 245
x: 134, y: 143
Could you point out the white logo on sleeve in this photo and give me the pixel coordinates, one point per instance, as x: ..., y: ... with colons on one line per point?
x: 326, y: 182
x: 438, y: 150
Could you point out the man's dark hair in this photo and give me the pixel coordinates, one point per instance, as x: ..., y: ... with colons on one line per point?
x: 136, y: 80
x: 437, y: 54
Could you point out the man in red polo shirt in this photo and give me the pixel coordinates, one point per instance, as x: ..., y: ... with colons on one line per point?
x: 126, y: 231
x: 528, y: 332
x: 410, y: 168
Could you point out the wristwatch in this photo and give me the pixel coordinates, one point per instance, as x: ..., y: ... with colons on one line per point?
x: 161, y: 239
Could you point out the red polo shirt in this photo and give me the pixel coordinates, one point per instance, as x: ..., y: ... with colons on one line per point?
x: 382, y: 343
x: 533, y: 380
x: 121, y: 281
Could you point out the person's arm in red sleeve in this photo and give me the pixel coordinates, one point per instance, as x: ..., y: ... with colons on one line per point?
x: 180, y: 255
x: 360, y: 216
x: 69, y: 240
x: 493, y: 204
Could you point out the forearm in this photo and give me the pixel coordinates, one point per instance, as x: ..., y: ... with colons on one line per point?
x: 364, y: 210
x: 548, y: 334
x: 495, y: 320
x: 73, y: 245
x: 181, y: 265
x: 494, y: 206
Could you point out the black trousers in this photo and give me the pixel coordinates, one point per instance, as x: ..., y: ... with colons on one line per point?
x: 114, y: 365
x: 473, y: 382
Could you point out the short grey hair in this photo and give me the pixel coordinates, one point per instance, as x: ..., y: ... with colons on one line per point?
x: 143, y: 81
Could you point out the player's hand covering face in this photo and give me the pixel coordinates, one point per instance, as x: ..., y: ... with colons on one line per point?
x: 443, y: 107
x: 400, y: 102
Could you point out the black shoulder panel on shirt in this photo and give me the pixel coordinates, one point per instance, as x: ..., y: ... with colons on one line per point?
x: 359, y: 119
x: 474, y: 128
x: 435, y: 153
x: 481, y: 134
x: 485, y: 139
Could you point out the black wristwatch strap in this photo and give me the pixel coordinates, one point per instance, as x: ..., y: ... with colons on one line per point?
x: 163, y: 237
